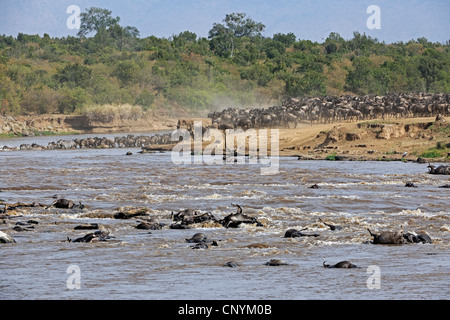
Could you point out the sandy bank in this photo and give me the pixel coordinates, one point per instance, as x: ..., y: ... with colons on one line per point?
x: 61, y: 124
x: 367, y: 140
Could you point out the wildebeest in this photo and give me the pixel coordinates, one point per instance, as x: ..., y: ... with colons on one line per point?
x: 276, y: 262
x: 99, y: 235
x: 331, y: 226
x: 66, y: 204
x: 198, y: 237
x: 201, y: 241
x: 420, y: 237
x: 388, y: 237
x: 442, y: 169
x: 233, y: 220
x: 150, y: 224
x: 410, y: 185
x: 294, y: 233
x: 131, y: 213
x: 190, y: 216
x: 231, y: 264
x: 342, y: 264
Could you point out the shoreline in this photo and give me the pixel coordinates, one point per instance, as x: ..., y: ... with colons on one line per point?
x: 370, y: 140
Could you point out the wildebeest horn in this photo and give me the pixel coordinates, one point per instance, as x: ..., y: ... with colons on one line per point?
x: 238, y: 206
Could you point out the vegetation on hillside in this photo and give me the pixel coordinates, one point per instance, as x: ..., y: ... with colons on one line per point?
x: 108, y: 64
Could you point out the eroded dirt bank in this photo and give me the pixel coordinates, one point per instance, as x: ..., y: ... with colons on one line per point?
x: 61, y: 124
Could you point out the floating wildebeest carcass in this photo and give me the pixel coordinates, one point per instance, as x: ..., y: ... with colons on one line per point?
x: 99, y: 235
x: 388, y: 237
x: 442, y: 169
x: 398, y: 237
x: 342, y: 264
x: 234, y: 220
x: 190, y: 216
x: 419, y: 237
x: 150, y: 224
x: 276, y: 262
x: 331, y: 226
x: 66, y: 204
x: 294, y: 233
x: 201, y: 241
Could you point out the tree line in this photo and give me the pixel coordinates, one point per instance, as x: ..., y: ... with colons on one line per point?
x: 110, y: 64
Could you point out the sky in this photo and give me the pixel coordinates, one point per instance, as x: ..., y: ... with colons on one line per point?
x: 400, y: 20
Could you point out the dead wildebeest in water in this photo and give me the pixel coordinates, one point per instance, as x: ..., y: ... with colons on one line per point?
x: 99, y: 235
x: 410, y: 185
x: 66, y: 204
x: 331, y: 226
x: 342, y: 264
x: 388, y: 237
x: 131, y: 213
x: 294, y: 233
x: 233, y: 220
x: 150, y: 224
x: 276, y: 262
x: 190, y: 216
x: 201, y: 241
x: 198, y: 237
x: 231, y: 264
x: 420, y: 237
x: 442, y: 169
x: 25, y: 226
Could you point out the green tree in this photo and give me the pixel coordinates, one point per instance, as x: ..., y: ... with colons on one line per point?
x: 75, y: 75
x: 123, y: 36
x: 235, y: 26
x: 286, y: 39
x: 430, y: 66
x: 145, y: 99
x: 126, y: 72
x: 311, y: 83
x: 71, y: 99
x: 358, y: 80
x: 96, y: 19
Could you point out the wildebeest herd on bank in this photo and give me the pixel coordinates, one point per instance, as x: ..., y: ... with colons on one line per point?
x: 290, y: 114
x: 330, y: 109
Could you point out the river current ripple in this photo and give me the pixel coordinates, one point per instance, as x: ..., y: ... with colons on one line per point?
x: 139, y: 264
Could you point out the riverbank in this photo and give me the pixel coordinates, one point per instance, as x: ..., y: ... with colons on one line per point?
x: 58, y: 124
x: 386, y: 140
x: 380, y: 140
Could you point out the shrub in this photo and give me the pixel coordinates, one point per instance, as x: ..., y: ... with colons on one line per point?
x: 433, y: 153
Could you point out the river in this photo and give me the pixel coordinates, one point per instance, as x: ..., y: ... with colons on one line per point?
x: 161, y: 265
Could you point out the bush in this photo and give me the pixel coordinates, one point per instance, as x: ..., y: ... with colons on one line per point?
x: 433, y: 153
x: 108, y: 113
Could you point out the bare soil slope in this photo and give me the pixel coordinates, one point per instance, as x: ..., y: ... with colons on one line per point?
x: 367, y: 140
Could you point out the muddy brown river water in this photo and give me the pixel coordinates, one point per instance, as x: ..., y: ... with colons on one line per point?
x: 160, y: 264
